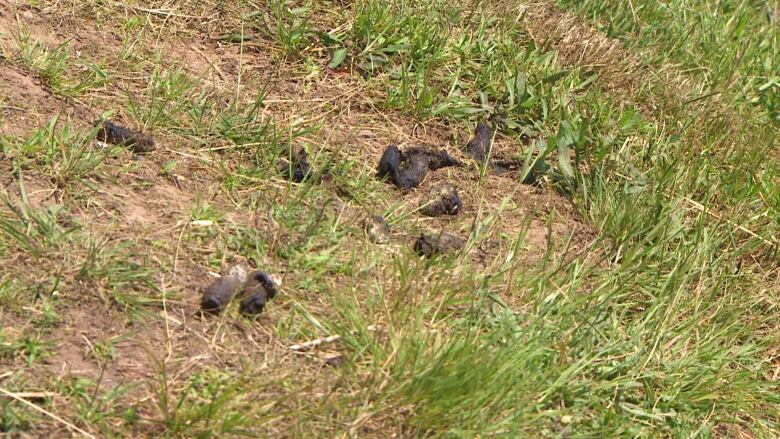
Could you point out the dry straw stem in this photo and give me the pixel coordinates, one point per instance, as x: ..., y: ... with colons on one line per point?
x: 702, y: 208
x: 311, y: 344
x: 314, y: 343
x: 16, y: 397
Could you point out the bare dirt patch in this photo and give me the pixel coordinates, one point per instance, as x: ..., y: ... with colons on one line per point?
x: 26, y: 104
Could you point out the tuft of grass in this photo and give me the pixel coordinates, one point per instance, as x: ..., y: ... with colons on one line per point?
x: 56, y: 68
x: 33, y: 231
x: 61, y: 152
x: 30, y: 348
x: 57, y: 246
x: 289, y: 26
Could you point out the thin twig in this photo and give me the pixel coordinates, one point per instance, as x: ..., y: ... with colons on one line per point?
x: 323, y: 340
x: 34, y: 395
x: 45, y: 412
x: 314, y: 343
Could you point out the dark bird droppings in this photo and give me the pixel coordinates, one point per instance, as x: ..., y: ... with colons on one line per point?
x: 444, y: 201
x: 407, y: 169
x: 115, y: 134
x: 479, y: 145
x: 436, y: 159
x: 432, y: 245
x: 411, y: 172
x: 218, y: 295
x: 299, y: 170
x: 259, y: 288
x: 388, y: 164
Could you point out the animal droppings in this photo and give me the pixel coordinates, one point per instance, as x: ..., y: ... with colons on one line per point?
x: 299, y: 170
x: 115, y: 134
x: 258, y: 289
x: 479, y: 145
x: 479, y: 148
x: 388, y: 164
x: 411, y: 172
x: 443, y: 201
x: 218, y: 295
x: 402, y: 172
x: 408, y: 169
x: 435, y: 159
x: 429, y: 245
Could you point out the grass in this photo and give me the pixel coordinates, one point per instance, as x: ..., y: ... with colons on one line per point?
x: 730, y: 47
x: 61, y: 153
x: 54, y: 66
x: 632, y: 295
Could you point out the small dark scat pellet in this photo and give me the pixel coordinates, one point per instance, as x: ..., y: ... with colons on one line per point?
x: 429, y: 245
x: 299, y: 170
x: 259, y: 288
x: 407, y: 169
x: 443, y: 201
x: 115, y: 134
x: 479, y: 145
x: 218, y: 295
x: 377, y: 229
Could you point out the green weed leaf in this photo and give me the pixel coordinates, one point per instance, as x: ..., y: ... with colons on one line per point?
x: 339, y: 55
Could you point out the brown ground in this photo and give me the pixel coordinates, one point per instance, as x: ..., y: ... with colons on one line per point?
x: 152, y: 210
